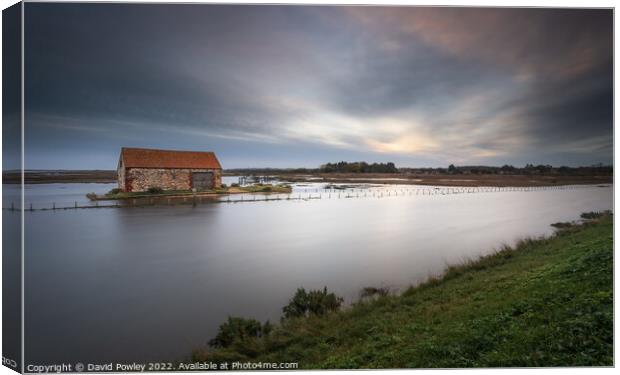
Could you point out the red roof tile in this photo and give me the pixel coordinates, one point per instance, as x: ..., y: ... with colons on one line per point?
x: 148, y: 158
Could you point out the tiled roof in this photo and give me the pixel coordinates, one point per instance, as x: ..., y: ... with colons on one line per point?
x: 149, y: 158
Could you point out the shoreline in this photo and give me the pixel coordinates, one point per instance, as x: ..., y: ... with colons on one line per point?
x: 453, y: 180
x: 260, y: 189
x: 511, y: 304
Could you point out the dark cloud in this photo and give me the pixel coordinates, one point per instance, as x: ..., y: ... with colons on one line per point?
x: 546, y: 43
x: 301, y: 85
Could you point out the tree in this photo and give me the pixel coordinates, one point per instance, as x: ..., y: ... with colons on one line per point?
x: 508, y: 168
x: 358, y: 167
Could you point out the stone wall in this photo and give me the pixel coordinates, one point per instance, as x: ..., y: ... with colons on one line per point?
x: 217, y: 176
x: 121, y: 175
x: 140, y: 179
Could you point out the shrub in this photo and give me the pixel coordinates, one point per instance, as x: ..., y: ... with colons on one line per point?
x: 91, y: 196
x: 114, y: 191
x: 563, y: 225
x: 371, y: 291
x: 237, y: 329
x: 224, y: 186
x: 594, y: 215
x: 317, y: 302
x: 155, y: 190
x: 234, y: 184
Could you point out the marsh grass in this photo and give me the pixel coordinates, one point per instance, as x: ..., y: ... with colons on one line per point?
x: 154, y: 192
x: 266, y: 188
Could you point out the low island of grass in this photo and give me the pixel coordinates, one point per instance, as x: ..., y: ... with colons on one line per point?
x: 117, y: 194
x: 545, y: 302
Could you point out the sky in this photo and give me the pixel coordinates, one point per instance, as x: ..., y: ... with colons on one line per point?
x: 300, y: 86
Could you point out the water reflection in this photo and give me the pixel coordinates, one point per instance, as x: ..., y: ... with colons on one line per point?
x: 152, y: 283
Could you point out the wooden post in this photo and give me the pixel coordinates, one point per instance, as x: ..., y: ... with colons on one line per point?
x: 12, y: 206
x: 30, y: 206
x: 54, y: 206
x: 75, y: 204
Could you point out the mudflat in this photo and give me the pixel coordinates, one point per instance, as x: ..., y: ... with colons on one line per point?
x: 450, y: 180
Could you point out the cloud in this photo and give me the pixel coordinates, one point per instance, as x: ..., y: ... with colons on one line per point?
x: 533, y: 42
x: 420, y: 85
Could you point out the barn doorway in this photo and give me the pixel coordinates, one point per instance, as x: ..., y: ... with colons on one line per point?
x: 202, y: 180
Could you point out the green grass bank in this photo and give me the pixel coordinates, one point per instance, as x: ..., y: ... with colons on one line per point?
x: 546, y: 302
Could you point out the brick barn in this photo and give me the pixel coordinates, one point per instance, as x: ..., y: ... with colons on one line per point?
x: 141, y: 168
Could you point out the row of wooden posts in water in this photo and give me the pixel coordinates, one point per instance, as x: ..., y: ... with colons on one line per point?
x: 305, y: 195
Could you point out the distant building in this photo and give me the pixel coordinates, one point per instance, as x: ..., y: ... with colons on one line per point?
x: 140, y: 169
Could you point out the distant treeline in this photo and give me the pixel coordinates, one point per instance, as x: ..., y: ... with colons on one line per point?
x: 529, y: 169
x: 364, y: 167
x: 358, y: 167
x: 339, y: 167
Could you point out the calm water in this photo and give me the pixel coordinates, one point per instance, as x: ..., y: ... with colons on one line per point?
x: 138, y: 284
x: 63, y: 195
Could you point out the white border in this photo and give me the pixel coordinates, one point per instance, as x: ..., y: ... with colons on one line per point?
x: 473, y: 3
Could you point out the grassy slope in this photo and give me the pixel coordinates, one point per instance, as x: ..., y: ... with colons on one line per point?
x: 547, y: 303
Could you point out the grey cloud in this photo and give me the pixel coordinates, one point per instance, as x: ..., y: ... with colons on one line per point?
x: 476, y: 84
